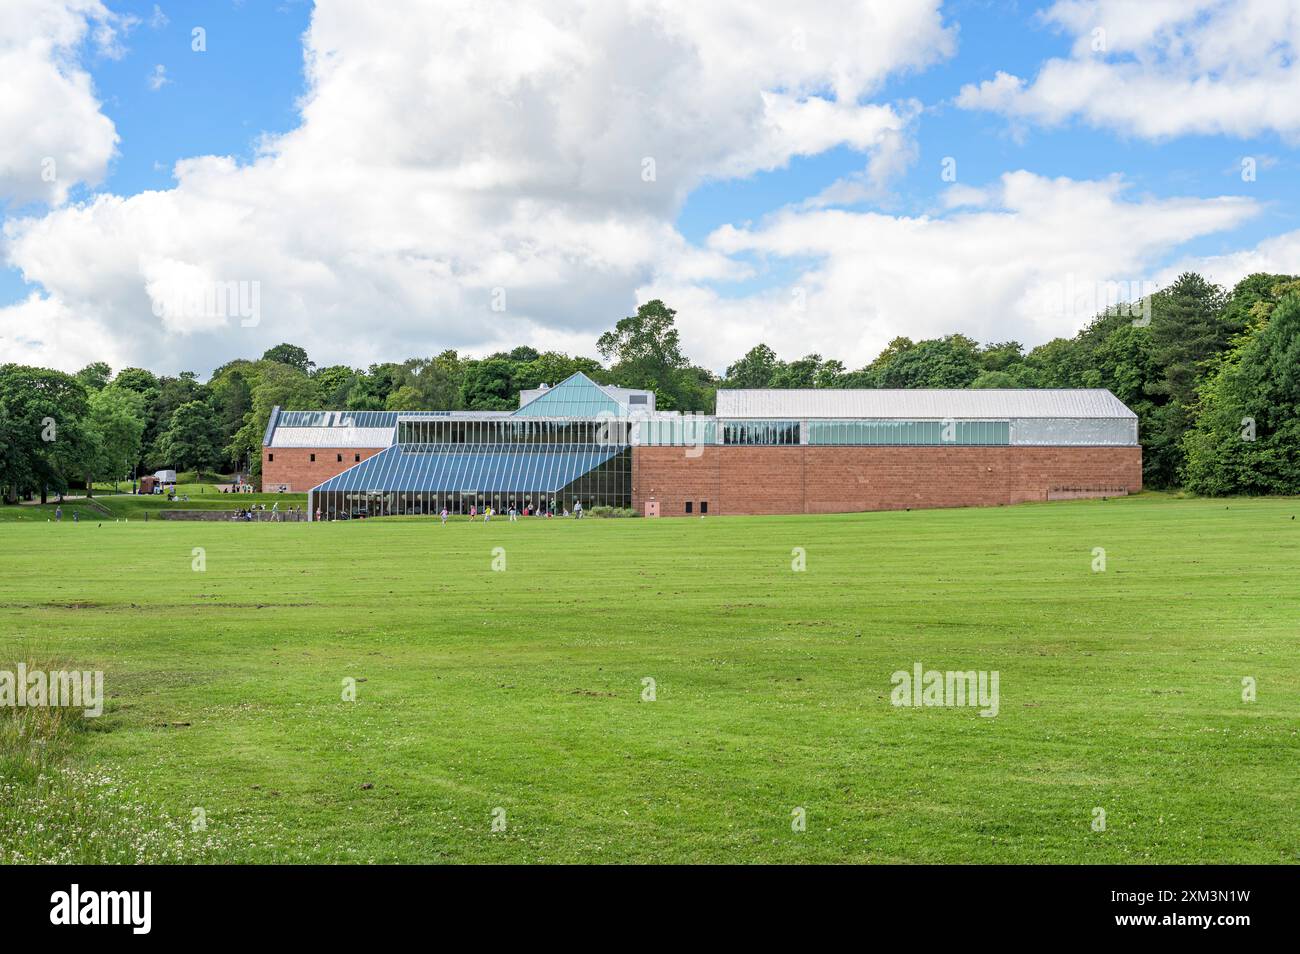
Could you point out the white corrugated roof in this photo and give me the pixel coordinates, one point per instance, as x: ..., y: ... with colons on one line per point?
x: 919, y: 403
x: 332, y: 437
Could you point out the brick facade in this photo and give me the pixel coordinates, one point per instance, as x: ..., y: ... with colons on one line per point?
x: 821, y: 479
x: 294, y: 467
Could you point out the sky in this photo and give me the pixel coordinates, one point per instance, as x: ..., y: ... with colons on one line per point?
x: 182, y: 184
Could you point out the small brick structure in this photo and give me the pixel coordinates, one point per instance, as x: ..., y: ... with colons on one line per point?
x: 294, y: 469
x: 826, y: 479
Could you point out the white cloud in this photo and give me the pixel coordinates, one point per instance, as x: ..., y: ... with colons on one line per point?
x: 1276, y: 255
x: 446, y: 151
x: 444, y: 154
x: 1030, y: 266
x: 52, y: 133
x: 158, y: 78
x: 1163, y: 68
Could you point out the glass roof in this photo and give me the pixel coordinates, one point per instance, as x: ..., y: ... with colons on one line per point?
x: 487, y: 468
x: 575, y: 396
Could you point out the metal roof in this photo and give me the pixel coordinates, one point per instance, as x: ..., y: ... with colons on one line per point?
x: 448, y: 468
x: 919, y: 403
x: 327, y: 437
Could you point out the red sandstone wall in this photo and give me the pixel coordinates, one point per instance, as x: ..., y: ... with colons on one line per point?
x: 294, y: 466
x: 818, y: 479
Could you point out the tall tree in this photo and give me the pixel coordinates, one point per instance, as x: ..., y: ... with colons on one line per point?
x: 1247, y: 434
x: 115, y: 425
x: 290, y: 354
x: 43, y: 413
x: 755, y: 370
x: 646, y: 352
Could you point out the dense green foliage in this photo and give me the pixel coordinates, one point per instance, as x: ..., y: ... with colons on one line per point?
x: 1189, y: 360
x: 522, y: 689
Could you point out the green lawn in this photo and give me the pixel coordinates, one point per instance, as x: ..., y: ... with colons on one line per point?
x: 109, y: 506
x: 522, y: 689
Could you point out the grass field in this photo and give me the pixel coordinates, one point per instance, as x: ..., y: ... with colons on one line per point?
x: 108, y: 506
x: 522, y: 689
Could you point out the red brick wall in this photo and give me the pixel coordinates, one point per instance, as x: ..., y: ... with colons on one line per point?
x: 819, y: 479
x: 294, y: 466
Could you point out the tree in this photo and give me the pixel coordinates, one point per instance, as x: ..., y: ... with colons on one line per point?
x: 292, y: 355
x: 190, y: 440
x: 948, y: 362
x: 797, y: 374
x: 333, y: 384
x: 1247, y: 434
x: 1187, y: 330
x: 488, y: 385
x: 405, y: 398
x: 95, y: 376
x: 646, y: 352
x: 276, y: 384
x: 115, y: 424
x: 171, y: 394
x: 43, y: 414
x: 754, y: 370
x: 138, y: 380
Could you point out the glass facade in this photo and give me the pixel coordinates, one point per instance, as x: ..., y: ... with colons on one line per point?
x: 513, y: 430
x: 760, y: 432
x: 415, y: 479
x: 909, y: 433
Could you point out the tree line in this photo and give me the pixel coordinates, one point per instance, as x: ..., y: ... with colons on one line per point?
x: 1213, y: 375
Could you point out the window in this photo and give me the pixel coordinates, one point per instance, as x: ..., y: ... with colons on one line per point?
x: 704, y: 507
x: 313, y: 458
x: 688, y: 506
x: 270, y: 458
x: 356, y: 458
x: 340, y: 458
x: 636, y: 399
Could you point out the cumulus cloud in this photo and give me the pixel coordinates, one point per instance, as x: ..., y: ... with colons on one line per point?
x: 1034, y: 262
x: 454, y: 156
x: 1162, y: 68
x: 52, y: 132
x: 536, y: 156
x: 1276, y: 255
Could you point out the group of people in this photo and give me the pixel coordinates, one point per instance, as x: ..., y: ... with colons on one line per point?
x: 513, y: 512
x: 290, y: 513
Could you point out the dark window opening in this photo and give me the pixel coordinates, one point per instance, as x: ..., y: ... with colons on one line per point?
x: 688, y: 506
x: 340, y: 458
x: 704, y: 506
x: 313, y: 458
x: 270, y: 457
x: 356, y: 458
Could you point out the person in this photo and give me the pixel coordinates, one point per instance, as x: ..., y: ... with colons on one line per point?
x: 318, y: 514
x: 487, y: 513
x: 577, y: 509
x: 473, y: 512
x: 76, y: 516
x: 513, y: 515
x: 275, y: 510
x: 444, y: 516
x: 58, y: 514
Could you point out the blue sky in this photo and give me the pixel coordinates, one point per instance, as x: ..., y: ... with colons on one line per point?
x: 730, y: 245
